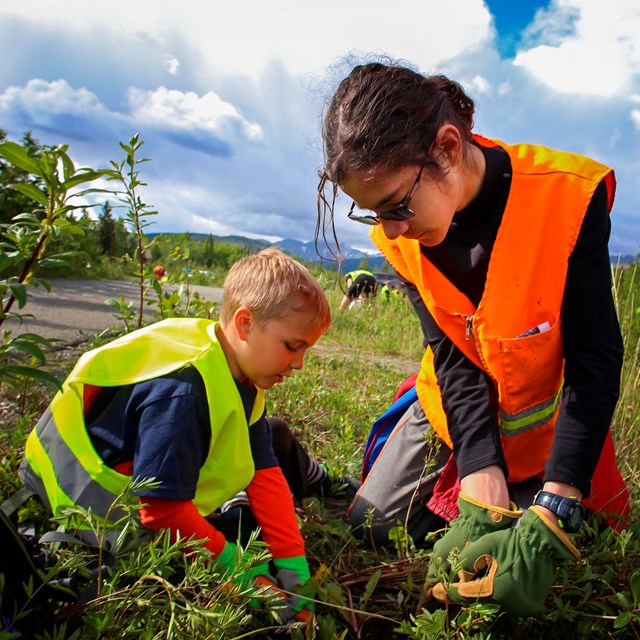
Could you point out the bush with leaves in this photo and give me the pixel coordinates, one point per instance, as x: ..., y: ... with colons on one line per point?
x: 24, y: 241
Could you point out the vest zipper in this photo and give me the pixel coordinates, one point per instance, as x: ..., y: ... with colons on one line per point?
x: 470, y: 335
x: 468, y: 322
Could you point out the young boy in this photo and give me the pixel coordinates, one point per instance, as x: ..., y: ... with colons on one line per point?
x: 182, y: 401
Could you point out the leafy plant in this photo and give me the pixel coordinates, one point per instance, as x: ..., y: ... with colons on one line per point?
x: 137, y: 215
x: 24, y: 240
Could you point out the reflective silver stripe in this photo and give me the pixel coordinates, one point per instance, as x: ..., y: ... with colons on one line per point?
x: 71, y: 476
x: 33, y: 482
x: 531, y: 418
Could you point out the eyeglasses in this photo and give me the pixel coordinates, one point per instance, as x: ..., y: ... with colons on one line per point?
x: 398, y: 212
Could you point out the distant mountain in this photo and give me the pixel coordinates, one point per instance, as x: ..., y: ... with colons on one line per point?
x: 352, y: 257
x: 307, y: 250
x: 623, y: 258
x: 251, y: 243
x: 303, y: 250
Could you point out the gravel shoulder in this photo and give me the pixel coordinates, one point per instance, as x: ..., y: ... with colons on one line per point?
x: 76, y: 309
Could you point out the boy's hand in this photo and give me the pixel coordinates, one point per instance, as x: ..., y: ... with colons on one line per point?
x: 514, y: 568
x: 227, y: 559
x: 292, y: 572
x: 293, y: 607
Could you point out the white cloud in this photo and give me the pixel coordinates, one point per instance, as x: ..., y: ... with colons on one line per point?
x: 504, y: 89
x: 479, y: 85
x: 585, y: 46
x: 44, y: 100
x: 243, y: 37
x: 188, y: 111
x: 172, y: 64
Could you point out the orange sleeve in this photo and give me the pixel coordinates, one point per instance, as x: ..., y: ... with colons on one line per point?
x: 90, y: 394
x: 272, y: 505
x: 182, y: 516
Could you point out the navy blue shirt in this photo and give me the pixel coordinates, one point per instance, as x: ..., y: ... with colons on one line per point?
x: 163, y: 426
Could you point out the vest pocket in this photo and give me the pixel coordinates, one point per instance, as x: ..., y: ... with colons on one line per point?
x: 532, y: 369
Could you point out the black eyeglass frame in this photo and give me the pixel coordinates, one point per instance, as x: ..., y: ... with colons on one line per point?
x: 398, y: 213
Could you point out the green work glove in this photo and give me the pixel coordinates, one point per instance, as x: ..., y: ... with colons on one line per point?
x: 514, y: 568
x: 476, y: 520
x: 230, y: 561
x: 287, y: 605
x: 292, y: 572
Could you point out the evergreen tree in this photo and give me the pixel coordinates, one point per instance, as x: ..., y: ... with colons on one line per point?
x: 209, y: 254
x: 107, y: 230
x: 364, y: 263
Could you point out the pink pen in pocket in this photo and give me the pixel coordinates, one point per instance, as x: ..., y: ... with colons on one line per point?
x: 541, y: 328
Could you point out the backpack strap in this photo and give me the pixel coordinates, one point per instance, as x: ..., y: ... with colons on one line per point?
x: 383, y: 426
x: 108, y: 559
x: 17, y: 499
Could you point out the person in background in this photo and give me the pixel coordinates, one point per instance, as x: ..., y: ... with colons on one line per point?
x: 504, y: 249
x: 360, y: 284
x: 399, y: 293
x: 182, y: 401
x: 385, y: 292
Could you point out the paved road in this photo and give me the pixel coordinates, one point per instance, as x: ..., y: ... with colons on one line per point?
x: 77, y: 308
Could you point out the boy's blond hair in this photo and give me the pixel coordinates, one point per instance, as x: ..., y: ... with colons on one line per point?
x: 272, y: 286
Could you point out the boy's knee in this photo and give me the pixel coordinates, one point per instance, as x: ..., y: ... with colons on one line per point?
x: 279, y: 428
x: 281, y: 437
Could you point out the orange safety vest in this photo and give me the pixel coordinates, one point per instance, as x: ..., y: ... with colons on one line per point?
x: 549, y: 195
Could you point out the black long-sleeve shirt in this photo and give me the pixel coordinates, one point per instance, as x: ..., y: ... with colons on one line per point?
x: 592, y: 343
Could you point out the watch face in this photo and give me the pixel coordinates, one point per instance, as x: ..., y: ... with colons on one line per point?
x: 575, y: 517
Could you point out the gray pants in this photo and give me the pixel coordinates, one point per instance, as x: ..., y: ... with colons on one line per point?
x: 400, y: 482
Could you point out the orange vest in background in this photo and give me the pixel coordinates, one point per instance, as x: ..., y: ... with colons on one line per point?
x: 549, y: 195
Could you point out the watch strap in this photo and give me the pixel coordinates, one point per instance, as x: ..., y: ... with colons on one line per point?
x: 563, y: 507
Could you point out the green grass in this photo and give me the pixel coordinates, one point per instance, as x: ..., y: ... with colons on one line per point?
x: 349, y: 378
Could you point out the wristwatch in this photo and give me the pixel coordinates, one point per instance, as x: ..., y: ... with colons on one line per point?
x: 569, y: 511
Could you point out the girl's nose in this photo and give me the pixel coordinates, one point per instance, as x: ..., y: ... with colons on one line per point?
x: 394, y: 228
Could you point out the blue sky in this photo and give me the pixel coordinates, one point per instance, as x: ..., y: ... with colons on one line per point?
x: 228, y: 99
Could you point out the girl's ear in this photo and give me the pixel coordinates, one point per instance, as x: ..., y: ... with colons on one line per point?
x: 242, y: 322
x: 449, y: 141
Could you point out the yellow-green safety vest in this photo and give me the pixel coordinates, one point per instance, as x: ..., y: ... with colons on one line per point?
x: 62, y: 466
x: 354, y: 274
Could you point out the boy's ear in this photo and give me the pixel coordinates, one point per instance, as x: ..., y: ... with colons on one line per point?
x: 242, y: 321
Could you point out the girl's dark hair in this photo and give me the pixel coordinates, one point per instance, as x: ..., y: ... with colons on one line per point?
x: 383, y: 117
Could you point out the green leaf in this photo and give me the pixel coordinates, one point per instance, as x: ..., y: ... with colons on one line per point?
x: 634, y: 584
x: 31, y: 191
x: 52, y: 262
x: 67, y: 165
x: 80, y: 178
x: 622, y: 621
x: 34, y: 337
x: 18, y: 156
x: 5, y: 261
x: 71, y: 228
x: 621, y: 598
x: 371, y: 585
x: 29, y: 372
x: 19, y: 292
x: 39, y: 282
x: 27, y: 218
x: 28, y: 347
